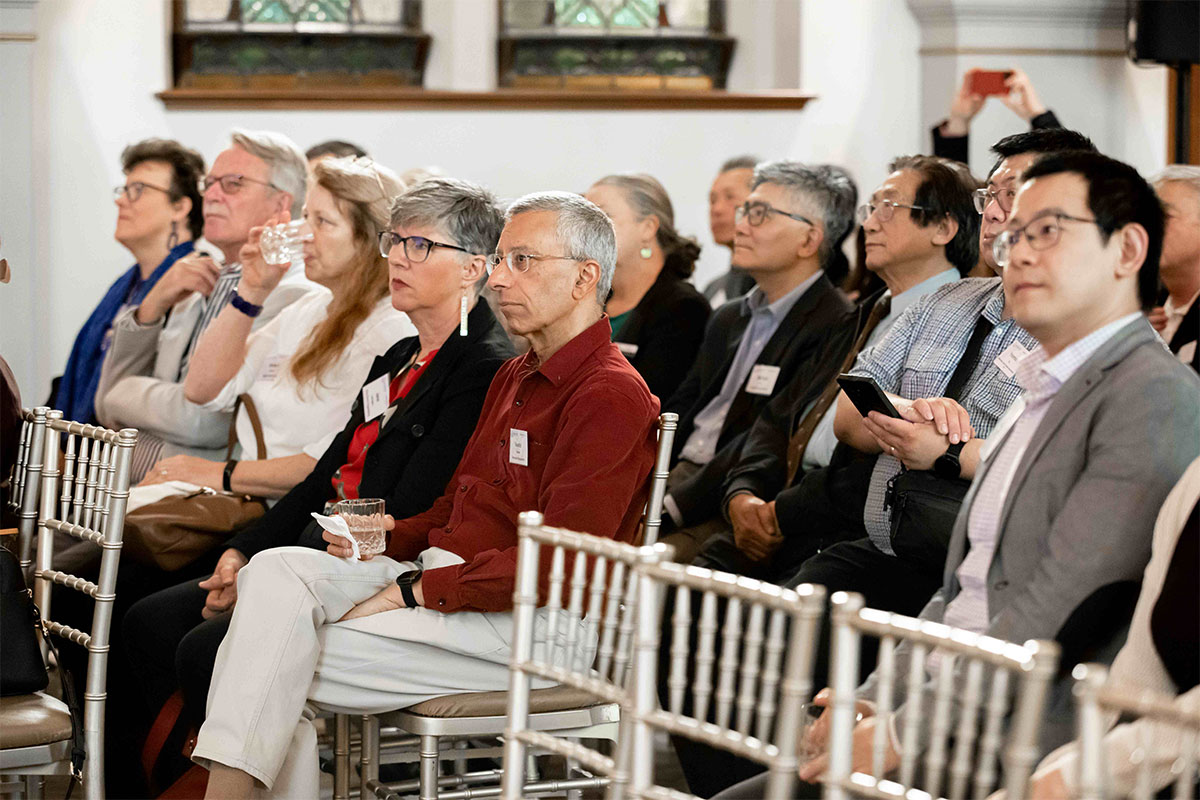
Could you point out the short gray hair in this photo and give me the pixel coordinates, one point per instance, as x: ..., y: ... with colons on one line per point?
x: 1179, y: 173
x: 287, y: 167
x: 584, y: 231
x: 466, y: 212
x: 826, y: 190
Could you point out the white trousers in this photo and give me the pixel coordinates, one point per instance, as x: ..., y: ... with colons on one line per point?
x: 286, y: 656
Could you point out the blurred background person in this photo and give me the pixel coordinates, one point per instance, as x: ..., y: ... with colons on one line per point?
x: 1178, y: 319
x: 729, y: 190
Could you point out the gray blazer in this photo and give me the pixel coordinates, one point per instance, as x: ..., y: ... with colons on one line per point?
x: 1080, y: 511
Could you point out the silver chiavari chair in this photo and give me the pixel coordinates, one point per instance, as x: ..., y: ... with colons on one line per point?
x: 84, y: 494
x: 745, y: 648
x: 668, y: 423
x: 1164, y: 722
x: 982, y: 685
x: 26, y: 481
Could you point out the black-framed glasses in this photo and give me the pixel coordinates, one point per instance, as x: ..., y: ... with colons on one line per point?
x: 1004, y: 198
x: 883, y: 210
x: 134, y: 190
x: 521, y: 262
x: 756, y: 213
x: 416, y: 248
x: 1042, y: 234
x: 231, y: 184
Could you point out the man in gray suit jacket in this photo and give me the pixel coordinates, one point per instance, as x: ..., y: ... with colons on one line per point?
x: 1064, y: 502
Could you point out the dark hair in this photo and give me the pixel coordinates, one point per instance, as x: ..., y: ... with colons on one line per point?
x: 945, y: 191
x: 334, y: 147
x: 1117, y: 196
x: 1040, y: 140
x: 187, y: 168
x: 739, y: 162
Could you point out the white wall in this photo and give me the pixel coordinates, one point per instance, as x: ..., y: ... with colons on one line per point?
x: 97, y: 64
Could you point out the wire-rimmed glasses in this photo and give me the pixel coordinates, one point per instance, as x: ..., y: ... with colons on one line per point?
x: 1041, y: 234
x: 1004, y: 198
x: 521, y: 262
x: 231, y: 183
x: 134, y: 190
x: 416, y: 248
x: 883, y: 210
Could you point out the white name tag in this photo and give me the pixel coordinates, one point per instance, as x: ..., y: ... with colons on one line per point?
x: 375, y: 397
x: 1003, y: 425
x: 518, y: 447
x: 629, y: 349
x: 762, y: 379
x: 1008, y: 360
x: 270, y: 368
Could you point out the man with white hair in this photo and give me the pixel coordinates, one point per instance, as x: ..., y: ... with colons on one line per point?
x: 567, y: 429
x: 1178, y: 319
x: 260, y: 176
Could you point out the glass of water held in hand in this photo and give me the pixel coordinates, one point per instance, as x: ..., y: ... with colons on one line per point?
x: 365, y: 520
x: 283, y: 243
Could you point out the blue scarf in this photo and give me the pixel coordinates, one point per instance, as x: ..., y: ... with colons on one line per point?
x: 76, y: 396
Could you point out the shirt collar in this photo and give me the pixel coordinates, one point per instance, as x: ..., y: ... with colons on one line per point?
x: 756, y: 300
x: 571, y: 355
x: 232, y: 269
x: 993, y: 309
x: 914, y: 293
x: 1040, y: 375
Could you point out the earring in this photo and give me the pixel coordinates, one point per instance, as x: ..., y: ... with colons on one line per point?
x: 462, y: 316
x: 173, y: 236
x: 645, y: 252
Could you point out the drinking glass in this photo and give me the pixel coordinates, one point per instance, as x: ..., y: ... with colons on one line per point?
x: 285, y: 242
x: 365, y: 519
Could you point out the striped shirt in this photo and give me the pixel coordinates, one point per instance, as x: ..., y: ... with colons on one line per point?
x: 227, y: 282
x: 919, y: 355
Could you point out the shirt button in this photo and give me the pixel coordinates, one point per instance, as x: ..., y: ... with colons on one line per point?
x: 502, y: 442
x: 462, y: 487
x: 496, y: 481
x: 418, y: 430
x: 519, y: 403
x: 1000, y: 585
x: 441, y: 602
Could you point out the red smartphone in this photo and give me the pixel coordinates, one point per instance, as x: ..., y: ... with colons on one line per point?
x: 989, y: 81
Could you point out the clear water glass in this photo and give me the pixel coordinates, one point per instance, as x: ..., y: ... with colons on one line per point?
x: 284, y: 243
x: 365, y: 519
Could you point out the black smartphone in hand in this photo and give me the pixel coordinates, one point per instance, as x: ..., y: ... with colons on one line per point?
x: 866, y: 395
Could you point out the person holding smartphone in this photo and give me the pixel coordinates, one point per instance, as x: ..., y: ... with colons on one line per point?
x: 1015, y: 90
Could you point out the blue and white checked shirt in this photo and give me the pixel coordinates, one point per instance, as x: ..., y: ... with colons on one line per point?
x: 919, y: 355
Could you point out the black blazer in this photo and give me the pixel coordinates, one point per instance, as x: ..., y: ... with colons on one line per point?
x: 805, y: 331
x: 663, y: 333
x: 418, y: 449
x: 1188, y: 331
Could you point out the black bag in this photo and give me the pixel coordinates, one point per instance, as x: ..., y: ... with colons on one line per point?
x: 924, y: 508
x: 22, y: 670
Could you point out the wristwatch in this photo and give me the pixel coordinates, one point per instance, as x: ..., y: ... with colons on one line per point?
x: 947, y: 464
x: 405, y: 581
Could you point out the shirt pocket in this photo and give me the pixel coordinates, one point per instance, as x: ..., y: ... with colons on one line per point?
x: 927, y: 373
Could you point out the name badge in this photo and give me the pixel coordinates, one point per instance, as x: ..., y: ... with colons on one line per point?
x: 518, y: 447
x: 1008, y: 360
x: 762, y: 379
x: 628, y: 349
x: 375, y: 397
x: 270, y: 368
x: 1003, y: 425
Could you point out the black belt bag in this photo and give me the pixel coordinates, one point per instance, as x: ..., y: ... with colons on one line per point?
x: 923, y: 510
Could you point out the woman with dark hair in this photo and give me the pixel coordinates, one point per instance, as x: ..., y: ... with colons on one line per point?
x: 657, y: 316
x: 159, y: 214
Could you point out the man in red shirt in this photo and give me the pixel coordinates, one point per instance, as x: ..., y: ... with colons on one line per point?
x: 567, y: 430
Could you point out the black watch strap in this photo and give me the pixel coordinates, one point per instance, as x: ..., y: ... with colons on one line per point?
x: 948, y: 464
x: 405, y: 581
x: 227, y: 476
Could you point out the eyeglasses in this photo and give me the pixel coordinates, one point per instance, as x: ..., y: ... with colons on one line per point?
x: 1004, y: 198
x: 1042, y: 234
x: 756, y: 213
x: 883, y: 210
x: 134, y: 190
x: 416, y: 248
x: 521, y: 262
x: 231, y: 184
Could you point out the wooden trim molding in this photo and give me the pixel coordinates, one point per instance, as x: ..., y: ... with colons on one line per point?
x: 18, y: 37
x: 506, y: 99
x: 1022, y: 51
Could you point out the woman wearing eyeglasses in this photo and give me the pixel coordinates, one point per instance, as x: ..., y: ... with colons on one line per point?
x: 657, y: 316
x: 158, y: 215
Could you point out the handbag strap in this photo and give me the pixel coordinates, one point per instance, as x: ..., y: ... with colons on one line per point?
x: 246, y: 401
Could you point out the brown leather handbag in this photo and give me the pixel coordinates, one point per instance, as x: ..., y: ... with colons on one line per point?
x: 175, y: 531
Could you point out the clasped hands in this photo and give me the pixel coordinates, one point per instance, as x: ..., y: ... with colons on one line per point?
x: 929, y: 426
x: 755, y: 527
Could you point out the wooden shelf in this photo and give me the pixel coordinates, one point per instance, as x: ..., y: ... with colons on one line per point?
x: 508, y: 99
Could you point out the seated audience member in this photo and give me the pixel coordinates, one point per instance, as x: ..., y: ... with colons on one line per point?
x: 729, y: 191
x: 10, y: 421
x: 1062, y: 508
x: 334, y: 148
x: 405, y: 454
x: 1178, y: 320
x: 756, y: 345
x: 303, y: 370
x: 657, y: 317
x: 950, y: 136
x: 159, y: 215
x: 259, y: 177
x: 568, y: 429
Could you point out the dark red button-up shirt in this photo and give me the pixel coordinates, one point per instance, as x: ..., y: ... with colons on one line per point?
x: 591, y: 427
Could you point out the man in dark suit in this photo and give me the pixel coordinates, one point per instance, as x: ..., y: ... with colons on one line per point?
x: 1178, y: 320
x: 785, y: 327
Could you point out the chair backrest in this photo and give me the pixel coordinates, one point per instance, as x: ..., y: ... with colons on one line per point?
x: 667, y: 424
x: 26, y: 481
x: 975, y: 677
x: 85, y: 488
x: 762, y: 665
x: 1098, y: 701
x: 582, y: 637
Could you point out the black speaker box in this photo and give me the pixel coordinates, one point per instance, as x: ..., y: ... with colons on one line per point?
x: 1164, y: 31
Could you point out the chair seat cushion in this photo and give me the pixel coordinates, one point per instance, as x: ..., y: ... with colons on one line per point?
x: 27, y: 720
x: 495, y: 704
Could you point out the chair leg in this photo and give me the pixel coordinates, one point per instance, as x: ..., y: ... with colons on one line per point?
x: 34, y: 784
x: 460, y: 759
x: 368, y: 767
x: 341, y: 757
x: 429, y: 767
